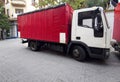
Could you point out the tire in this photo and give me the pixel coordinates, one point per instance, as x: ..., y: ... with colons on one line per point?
x: 34, y: 46
x: 78, y: 53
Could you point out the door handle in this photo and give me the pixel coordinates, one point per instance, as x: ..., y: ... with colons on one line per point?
x: 78, y: 38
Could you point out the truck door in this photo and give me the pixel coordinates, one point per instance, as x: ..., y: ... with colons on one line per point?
x: 89, y: 28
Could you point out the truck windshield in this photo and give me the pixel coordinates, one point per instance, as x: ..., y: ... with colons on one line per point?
x: 106, y: 20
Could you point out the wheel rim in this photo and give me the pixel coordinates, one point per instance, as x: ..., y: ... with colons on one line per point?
x: 76, y: 53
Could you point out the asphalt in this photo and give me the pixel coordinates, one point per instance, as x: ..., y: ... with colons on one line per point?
x: 19, y: 64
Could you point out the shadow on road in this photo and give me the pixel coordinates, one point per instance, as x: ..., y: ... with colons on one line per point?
x: 117, y: 55
x: 96, y: 61
x: 114, y: 58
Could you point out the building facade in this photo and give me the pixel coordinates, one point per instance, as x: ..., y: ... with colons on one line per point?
x: 16, y: 7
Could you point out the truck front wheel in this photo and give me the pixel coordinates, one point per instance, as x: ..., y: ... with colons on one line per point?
x: 34, y: 46
x: 78, y: 53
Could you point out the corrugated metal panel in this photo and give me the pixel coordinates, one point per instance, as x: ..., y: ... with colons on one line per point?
x: 46, y: 25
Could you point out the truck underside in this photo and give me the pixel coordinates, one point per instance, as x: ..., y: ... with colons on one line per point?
x: 78, y: 50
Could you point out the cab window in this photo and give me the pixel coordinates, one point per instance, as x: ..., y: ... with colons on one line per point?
x: 85, y: 19
x: 93, y: 20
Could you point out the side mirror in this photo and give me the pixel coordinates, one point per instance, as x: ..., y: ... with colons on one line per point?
x: 114, y: 2
x: 99, y: 21
x: 99, y: 17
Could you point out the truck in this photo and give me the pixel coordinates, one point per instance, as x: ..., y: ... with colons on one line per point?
x: 116, y: 28
x: 79, y: 33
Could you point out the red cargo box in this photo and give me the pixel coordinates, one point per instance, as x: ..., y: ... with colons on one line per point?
x: 46, y: 24
x: 116, y: 32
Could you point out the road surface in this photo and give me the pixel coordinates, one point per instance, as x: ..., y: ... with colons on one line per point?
x: 19, y: 64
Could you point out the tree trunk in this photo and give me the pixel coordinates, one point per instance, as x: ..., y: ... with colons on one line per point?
x: 2, y: 34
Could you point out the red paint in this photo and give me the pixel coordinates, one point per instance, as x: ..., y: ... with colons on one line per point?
x: 46, y: 25
x: 116, y: 32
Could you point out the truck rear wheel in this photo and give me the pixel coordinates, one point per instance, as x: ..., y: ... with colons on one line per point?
x: 34, y: 46
x: 78, y: 53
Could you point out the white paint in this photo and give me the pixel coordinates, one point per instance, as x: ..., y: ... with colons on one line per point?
x: 19, y: 34
x: 110, y: 18
x: 62, y: 38
x: 107, y: 30
x: 87, y: 34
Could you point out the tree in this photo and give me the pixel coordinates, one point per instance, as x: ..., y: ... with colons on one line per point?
x: 74, y: 3
x: 4, y: 21
x: 103, y: 3
x: 77, y: 4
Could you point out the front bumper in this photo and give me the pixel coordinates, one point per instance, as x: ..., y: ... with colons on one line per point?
x: 100, y: 53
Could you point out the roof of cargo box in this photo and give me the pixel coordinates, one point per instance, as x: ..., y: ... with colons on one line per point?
x: 44, y: 9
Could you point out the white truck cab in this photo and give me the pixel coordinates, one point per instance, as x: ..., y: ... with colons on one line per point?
x: 90, y: 28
